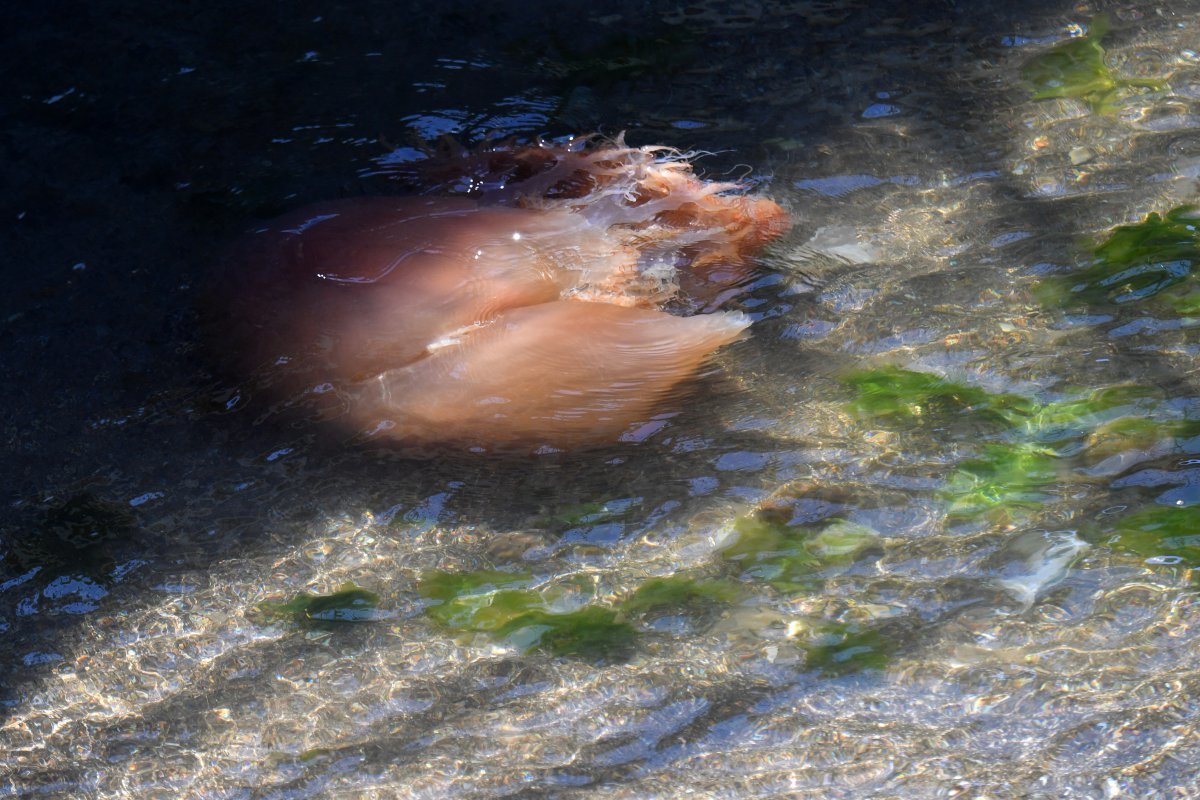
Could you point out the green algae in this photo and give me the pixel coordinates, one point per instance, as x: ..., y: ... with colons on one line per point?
x: 485, y: 600
x: 1077, y: 69
x: 1164, y: 535
x: 349, y: 604
x: 679, y: 592
x: 1075, y: 416
x: 506, y: 606
x: 1111, y: 420
x: 794, y: 558
x: 1154, y: 258
x: 1004, y: 480
x: 1019, y: 465
x: 592, y: 632
x: 1128, y: 434
x: 898, y: 396
x: 840, y: 648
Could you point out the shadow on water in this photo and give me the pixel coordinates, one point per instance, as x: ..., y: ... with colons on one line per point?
x: 139, y: 141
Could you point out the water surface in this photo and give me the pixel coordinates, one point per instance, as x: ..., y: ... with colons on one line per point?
x: 931, y: 534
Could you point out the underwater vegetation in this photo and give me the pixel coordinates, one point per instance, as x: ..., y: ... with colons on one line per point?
x: 1002, y: 480
x: 518, y: 610
x: 348, y: 604
x: 515, y: 304
x: 1036, y: 451
x: 1151, y: 262
x: 839, y: 648
x: 510, y: 608
x: 899, y: 397
x: 679, y: 592
x: 1166, y: 536
x: 1151, y: 259
x: 1077, y: 69
x: 793, y: 558
x: 514, y: 609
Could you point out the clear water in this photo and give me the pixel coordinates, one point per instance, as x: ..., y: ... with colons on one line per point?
x: 983, y: 632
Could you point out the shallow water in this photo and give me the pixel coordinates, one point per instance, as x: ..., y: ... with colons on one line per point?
x: 982, y: 586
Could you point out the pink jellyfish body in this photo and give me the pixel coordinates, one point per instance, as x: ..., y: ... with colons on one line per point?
x: 524, y: 316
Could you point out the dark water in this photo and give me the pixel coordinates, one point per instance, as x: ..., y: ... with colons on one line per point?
x: 977, y: 580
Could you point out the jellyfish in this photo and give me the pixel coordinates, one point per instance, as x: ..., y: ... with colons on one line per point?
x: 540, y: 297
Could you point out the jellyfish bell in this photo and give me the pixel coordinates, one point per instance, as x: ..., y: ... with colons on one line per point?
x: 552, y: 376
x: 524, y: 315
